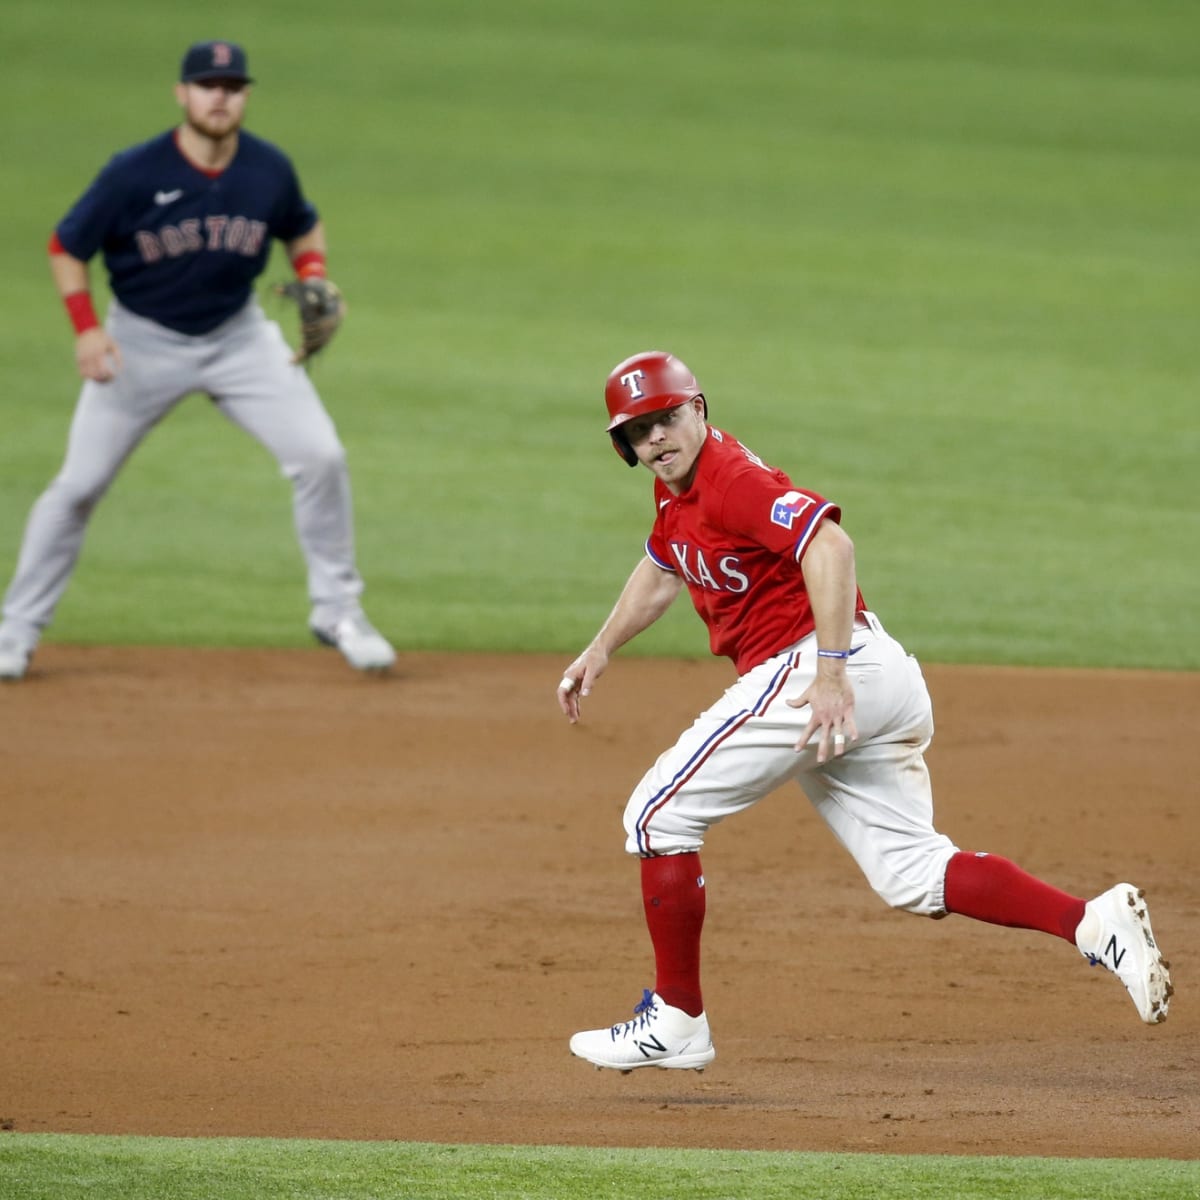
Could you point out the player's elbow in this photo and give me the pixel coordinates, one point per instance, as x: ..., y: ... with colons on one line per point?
x: 831, y: 549
x: 836, y: 539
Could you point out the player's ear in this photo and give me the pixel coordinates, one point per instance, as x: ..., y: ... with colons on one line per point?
x: 181, y: 95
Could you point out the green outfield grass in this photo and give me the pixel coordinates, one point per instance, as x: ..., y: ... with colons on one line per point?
x: 66, y: 1168
x: 937, y: 261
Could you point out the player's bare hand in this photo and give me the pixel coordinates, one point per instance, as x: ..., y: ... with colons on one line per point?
x: 832, y: 722
x: 97, y: 355
x: 577, y: 681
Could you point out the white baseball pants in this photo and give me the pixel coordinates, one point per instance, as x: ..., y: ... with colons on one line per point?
x: 876, y: 797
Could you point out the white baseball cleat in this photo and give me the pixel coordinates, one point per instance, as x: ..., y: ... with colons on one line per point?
x: 14, y: 658
x: 1115, y: 933
x: 658, y: 1036
x: 361, y: 644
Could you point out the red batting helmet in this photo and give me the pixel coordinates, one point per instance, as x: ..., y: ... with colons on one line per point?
x: 646, y: 383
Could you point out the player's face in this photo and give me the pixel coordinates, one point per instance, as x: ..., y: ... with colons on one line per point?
x: 214, y: 107
x: 669, y: 442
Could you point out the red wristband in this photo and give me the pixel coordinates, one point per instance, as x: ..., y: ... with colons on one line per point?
x: 309, y: 264
x: 81, y: 312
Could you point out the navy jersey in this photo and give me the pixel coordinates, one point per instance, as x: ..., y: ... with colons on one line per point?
x: 182, y: 246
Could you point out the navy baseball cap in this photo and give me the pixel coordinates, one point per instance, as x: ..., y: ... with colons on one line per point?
x: 214, y: 60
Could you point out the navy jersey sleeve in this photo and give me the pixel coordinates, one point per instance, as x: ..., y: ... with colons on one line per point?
x: 296, y: 214
x: 86, y: 227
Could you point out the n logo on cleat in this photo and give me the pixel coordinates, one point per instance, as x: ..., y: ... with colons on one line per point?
x: 649, y: 1046
x: 1111, y: 951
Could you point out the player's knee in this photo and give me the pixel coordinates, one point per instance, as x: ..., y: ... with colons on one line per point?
x: 915, y: 885
x: 663, y: 833
x: 326, y: 460
x: 913, y: 898
x: 917, y: 891
x: 644, y: 843
x: 76, y: 497
x: 318, y: 465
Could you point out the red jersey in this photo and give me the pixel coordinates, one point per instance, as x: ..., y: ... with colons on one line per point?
x: 737, y: 538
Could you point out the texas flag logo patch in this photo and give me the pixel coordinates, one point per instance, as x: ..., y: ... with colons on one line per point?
x: 788, y: 507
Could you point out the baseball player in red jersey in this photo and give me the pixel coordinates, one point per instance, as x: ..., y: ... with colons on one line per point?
x: 824, y: 696
x: 185, y: 224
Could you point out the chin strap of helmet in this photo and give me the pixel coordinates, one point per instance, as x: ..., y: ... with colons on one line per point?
x: 623, y: 448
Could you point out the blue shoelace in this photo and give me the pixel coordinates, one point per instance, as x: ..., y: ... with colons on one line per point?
x: 643, y: 1011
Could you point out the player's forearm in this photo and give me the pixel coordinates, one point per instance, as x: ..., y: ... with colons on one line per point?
x: 312, y: 242
x: 647, y: 594
x: 70, y: 274
x: 829, y: 576
x: 307, y: 253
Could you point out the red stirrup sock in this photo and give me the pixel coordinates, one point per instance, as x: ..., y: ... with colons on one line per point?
x: 990, y: 888
x: 673, y: 897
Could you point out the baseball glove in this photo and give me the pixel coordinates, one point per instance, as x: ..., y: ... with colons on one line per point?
x: 321, y: 311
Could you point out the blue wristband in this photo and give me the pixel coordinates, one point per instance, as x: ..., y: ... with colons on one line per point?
x: 833, y: 653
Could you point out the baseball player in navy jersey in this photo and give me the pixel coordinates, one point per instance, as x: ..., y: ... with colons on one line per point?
x: 824, y: 696
x: 185, y: 223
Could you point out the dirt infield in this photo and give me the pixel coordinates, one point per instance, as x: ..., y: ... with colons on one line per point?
x: 253, y: 893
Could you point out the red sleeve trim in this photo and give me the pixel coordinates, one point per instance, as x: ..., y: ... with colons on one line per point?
x: 309, y: 264
x: 55, y: 247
